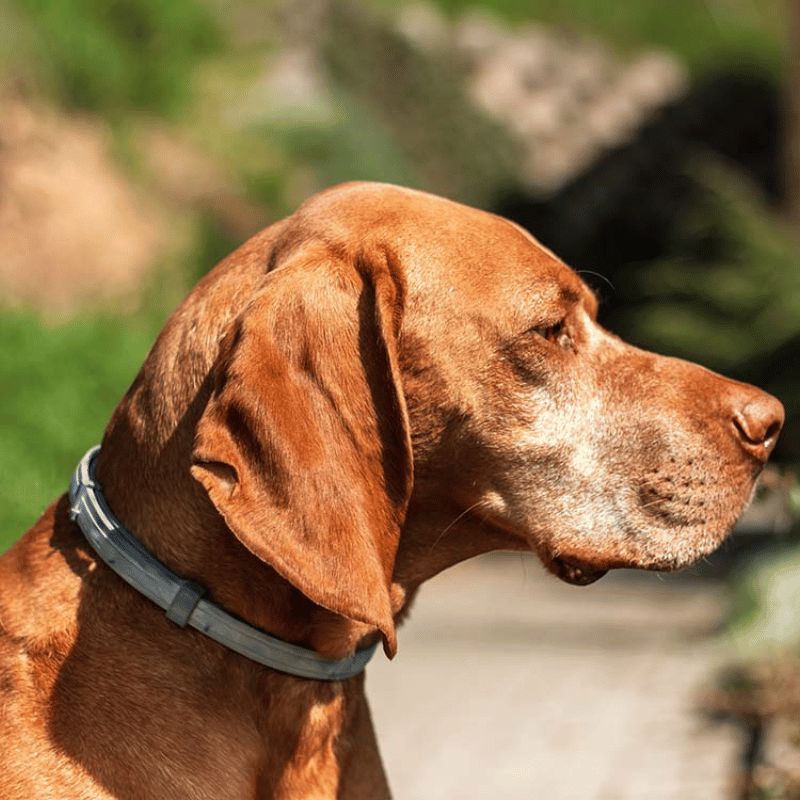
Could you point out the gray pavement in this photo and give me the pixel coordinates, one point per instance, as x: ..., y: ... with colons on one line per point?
x: 509, y: 684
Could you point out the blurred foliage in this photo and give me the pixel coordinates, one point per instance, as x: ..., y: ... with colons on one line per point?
x: 765, y: 616
x: 418, y: 102
x: 116, y: 56
x: 60, y: 384
x: 762, y: 695
x: 723, y: 309
x: 703, y: 33
x: 352, y: 145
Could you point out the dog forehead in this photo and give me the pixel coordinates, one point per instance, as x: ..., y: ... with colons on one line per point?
x: 453, y: 256
x: 491, y: 268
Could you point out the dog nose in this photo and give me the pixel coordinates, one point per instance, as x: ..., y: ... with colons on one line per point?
x: 758, y: 423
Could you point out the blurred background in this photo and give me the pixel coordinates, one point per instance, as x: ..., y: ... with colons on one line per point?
x: 655, y: 146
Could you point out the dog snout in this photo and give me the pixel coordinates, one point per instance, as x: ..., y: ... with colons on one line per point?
x: 757, y: 420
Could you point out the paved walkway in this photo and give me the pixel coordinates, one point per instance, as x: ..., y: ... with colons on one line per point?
x: 509, y: 684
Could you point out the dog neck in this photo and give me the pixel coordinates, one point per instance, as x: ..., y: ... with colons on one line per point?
x: 191, y: 539
x: 182, y: 599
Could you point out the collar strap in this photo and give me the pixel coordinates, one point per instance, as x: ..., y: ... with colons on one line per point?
x: 183, y: 599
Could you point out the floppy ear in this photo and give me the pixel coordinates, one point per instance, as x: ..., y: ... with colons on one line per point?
x: 304, y: 446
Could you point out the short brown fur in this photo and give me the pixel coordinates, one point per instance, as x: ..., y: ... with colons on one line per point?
x: 378, y: 387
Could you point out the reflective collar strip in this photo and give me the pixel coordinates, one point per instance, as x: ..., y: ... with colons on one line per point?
x: 183, y: 599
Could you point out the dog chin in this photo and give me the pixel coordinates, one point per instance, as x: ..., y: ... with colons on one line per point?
x: 575, y: 572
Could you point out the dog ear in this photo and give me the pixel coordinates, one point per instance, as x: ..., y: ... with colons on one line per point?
x: 304, y: 446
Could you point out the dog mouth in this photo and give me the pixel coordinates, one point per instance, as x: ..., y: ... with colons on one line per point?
x: 575, y: 572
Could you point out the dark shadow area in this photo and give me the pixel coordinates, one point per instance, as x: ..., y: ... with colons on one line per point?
x: 624, y: 209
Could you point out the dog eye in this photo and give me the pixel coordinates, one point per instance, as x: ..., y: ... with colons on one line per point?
x: 555, y: 334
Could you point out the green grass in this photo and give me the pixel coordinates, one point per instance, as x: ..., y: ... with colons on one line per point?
x: 111, y: 56
x: 58, y: 386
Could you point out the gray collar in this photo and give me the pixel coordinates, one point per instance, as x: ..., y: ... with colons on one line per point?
x: 183, y: 599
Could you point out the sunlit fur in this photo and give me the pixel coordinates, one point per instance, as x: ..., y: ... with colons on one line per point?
x: 367, y: 392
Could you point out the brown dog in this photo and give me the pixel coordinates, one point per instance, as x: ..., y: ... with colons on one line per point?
x: 379, y: 386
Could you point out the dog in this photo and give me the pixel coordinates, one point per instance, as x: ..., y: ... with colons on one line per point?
x: 379, y: 386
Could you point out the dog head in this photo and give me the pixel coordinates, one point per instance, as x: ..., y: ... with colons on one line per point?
x: 409, y: 382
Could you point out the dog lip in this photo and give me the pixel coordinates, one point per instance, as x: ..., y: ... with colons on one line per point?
x: 575, y: 572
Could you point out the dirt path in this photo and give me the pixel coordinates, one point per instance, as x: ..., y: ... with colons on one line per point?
x: 511, y: 685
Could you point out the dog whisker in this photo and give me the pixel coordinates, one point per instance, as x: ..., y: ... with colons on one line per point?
x: 657, y: 502
x: 597, y: 275
x: 449, y: 527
